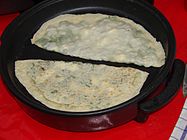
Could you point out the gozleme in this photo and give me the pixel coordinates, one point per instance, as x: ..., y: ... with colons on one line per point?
x: 100, y: 37
x: 76, y: 86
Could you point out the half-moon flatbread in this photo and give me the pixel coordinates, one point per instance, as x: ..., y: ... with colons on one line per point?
x: 78, y: 87
x: 100, y: 37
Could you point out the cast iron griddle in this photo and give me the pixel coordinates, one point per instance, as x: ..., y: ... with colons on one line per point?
x: 17, y: 44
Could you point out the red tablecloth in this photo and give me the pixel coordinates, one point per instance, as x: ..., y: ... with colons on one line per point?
x: 15, y: 124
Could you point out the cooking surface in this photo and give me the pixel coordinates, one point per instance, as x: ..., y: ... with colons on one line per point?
x: 159, y: 126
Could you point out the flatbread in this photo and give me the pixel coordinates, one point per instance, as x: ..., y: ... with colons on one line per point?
x: 76, y: 86
x: 100, y: 37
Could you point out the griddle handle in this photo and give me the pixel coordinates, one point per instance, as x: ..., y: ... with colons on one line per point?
x: 166, y: 95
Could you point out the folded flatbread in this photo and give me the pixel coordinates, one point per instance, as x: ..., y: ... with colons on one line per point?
x: 78, y: 87
x: 100, y: 37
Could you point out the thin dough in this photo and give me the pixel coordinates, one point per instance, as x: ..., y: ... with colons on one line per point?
x: 100, y: 37
x: 78, y: 87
